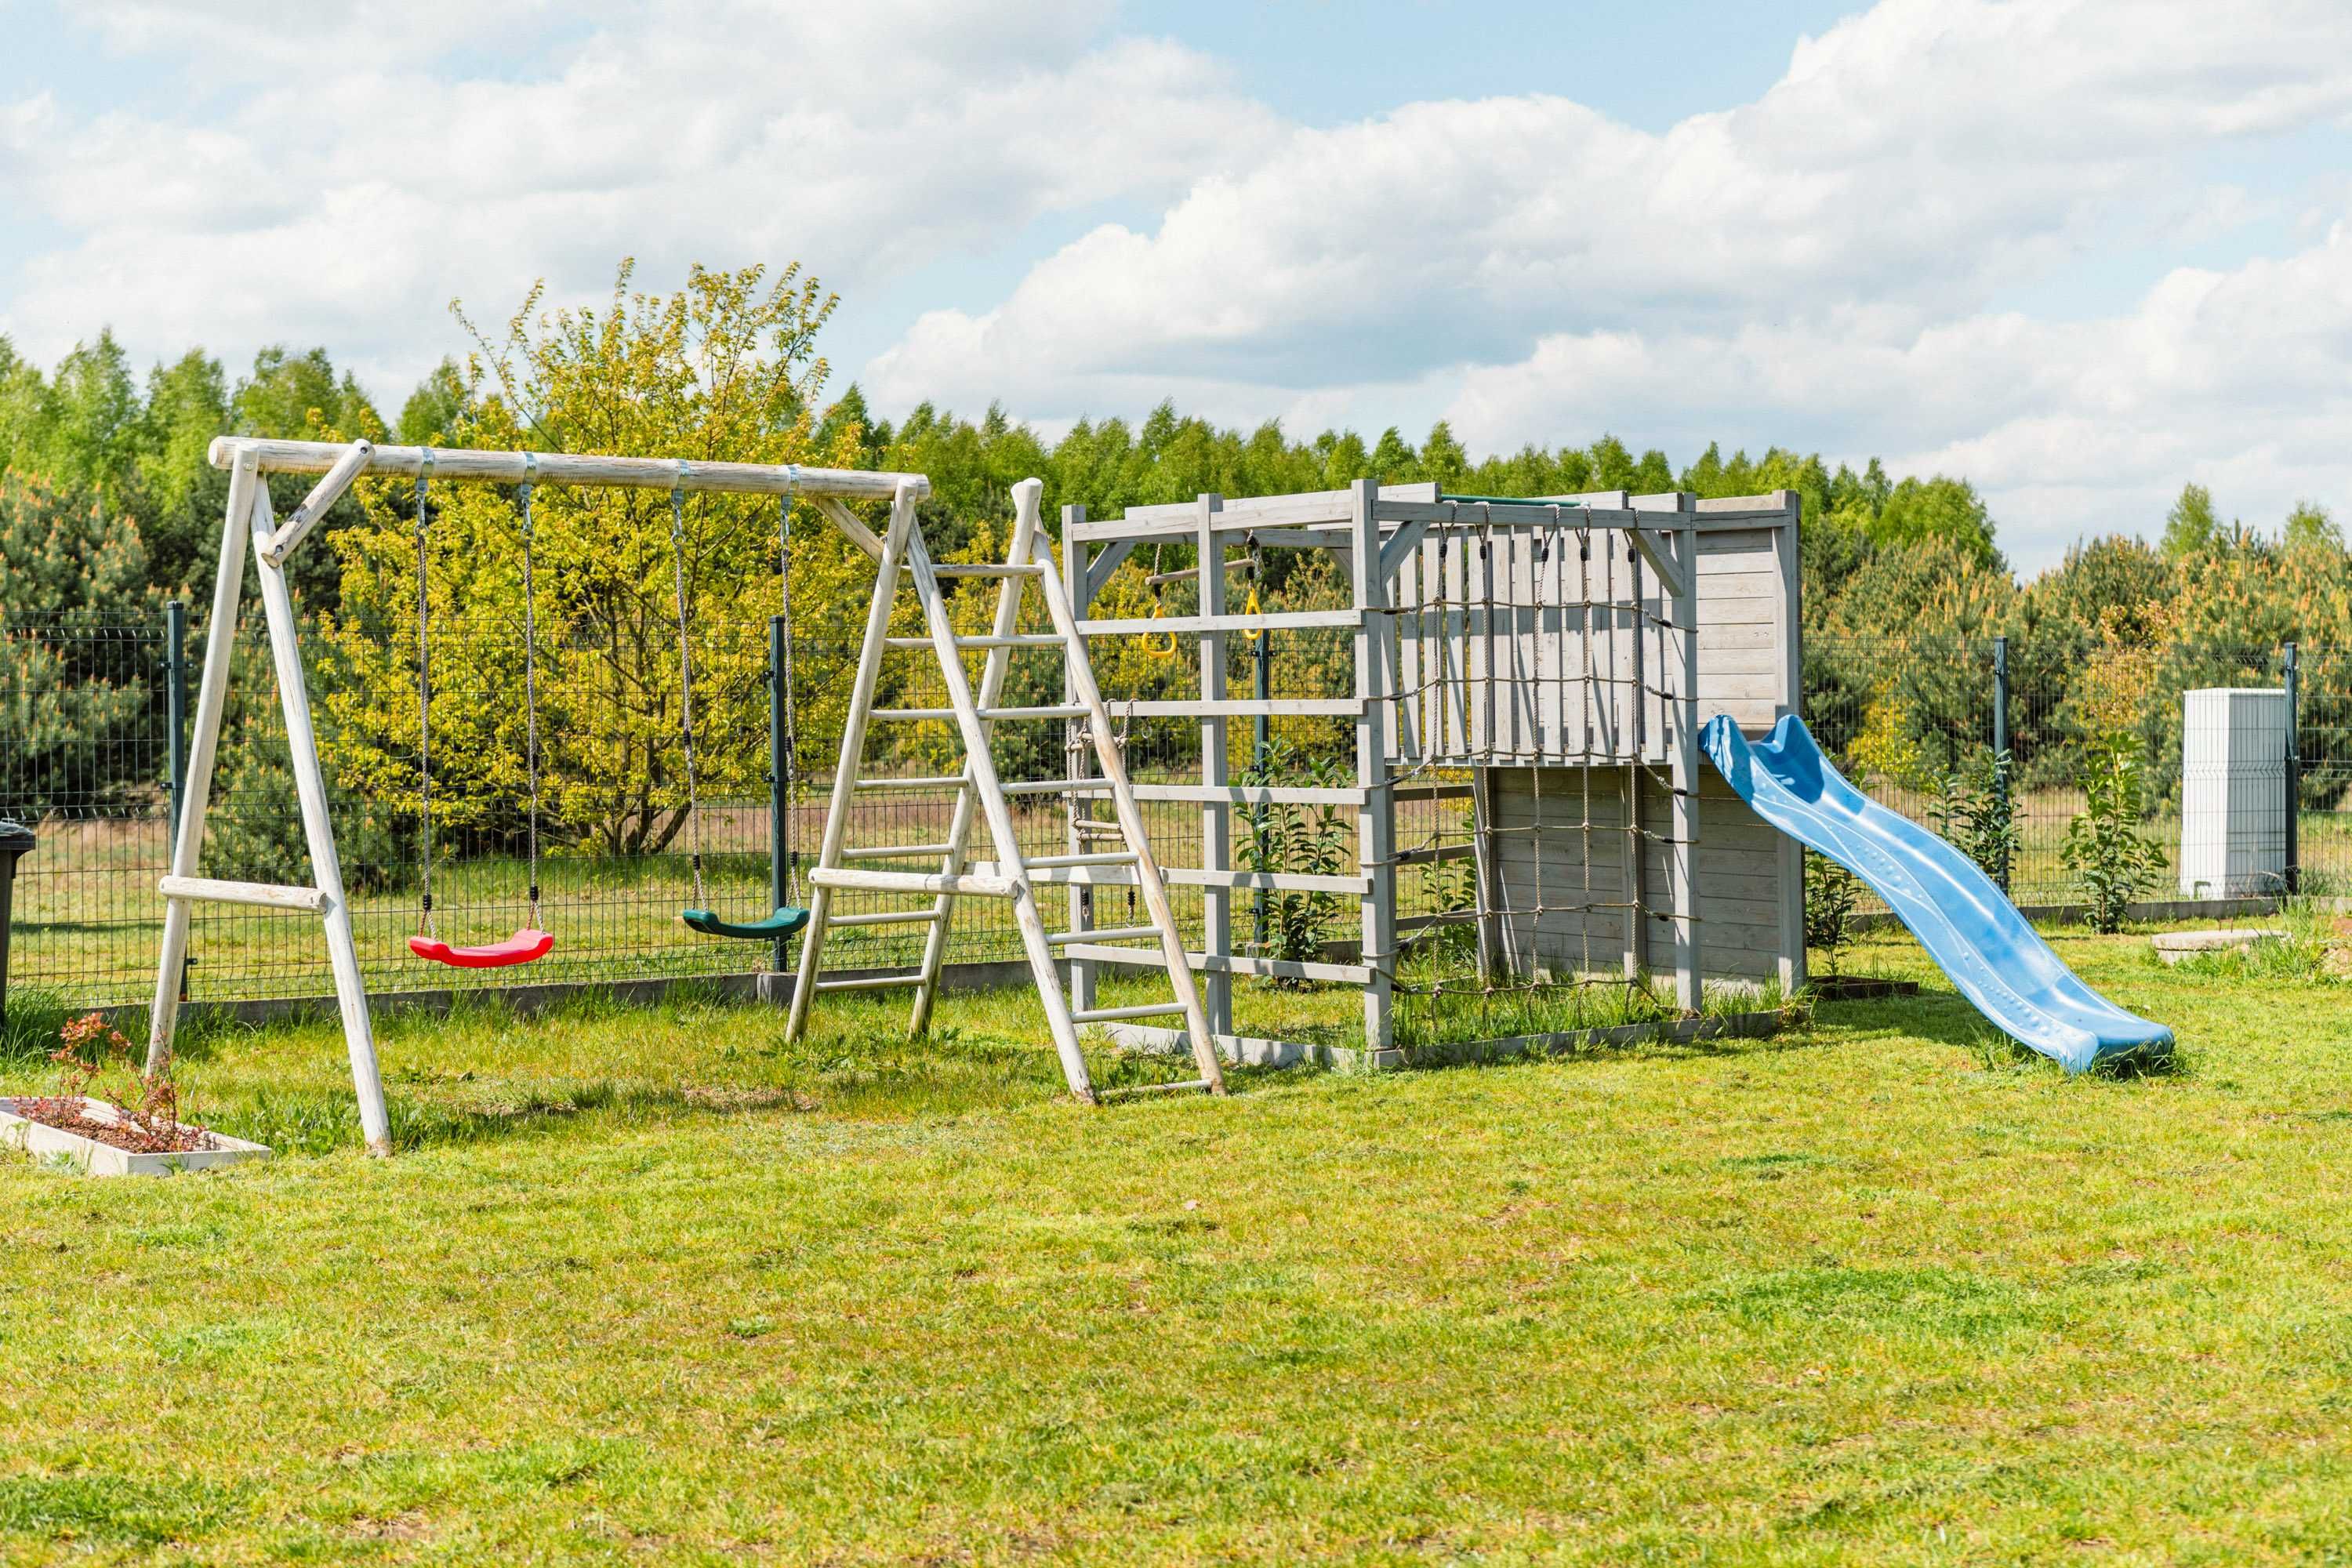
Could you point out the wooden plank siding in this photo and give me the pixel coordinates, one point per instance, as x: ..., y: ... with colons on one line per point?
x: 1501, y: 660
x: 1558, y: 875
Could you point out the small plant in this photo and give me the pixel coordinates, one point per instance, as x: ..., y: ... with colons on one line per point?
x: 2110, y: 860
x: 1977, y: 816
x: 1303, y: 839
x: 94, y: 1063
x: 1449, y: 887
x: 1830, y: 893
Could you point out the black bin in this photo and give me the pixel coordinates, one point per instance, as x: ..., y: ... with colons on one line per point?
x: 16, y: 842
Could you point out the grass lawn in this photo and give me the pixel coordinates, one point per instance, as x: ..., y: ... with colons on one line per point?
x: 650, y: 1285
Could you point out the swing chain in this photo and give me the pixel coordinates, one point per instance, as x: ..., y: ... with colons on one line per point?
x: 686, y: 671
x: 791, y: 726
x: 423, y: 699
x: 530, y: 675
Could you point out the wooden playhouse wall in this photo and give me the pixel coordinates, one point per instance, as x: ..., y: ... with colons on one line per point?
x: 1749, y: 877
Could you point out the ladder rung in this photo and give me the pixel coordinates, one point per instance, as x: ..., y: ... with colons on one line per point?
x: 1018, y: 639
x: 267, y: 895
x: 1124, y: 1089
x: 1069, y: 876
x: 1046, y: 862
x: 1108, y: 1014
x: 1096, y: 952
x: 1052, y: 786
x: 983, y: 885
x: 921, y: 715
x: 870, y: 982
x: 987, y: 569
x: 887, y: 918
x: 1108, y: 933
x: 897, y: 852
x: 949, y: 782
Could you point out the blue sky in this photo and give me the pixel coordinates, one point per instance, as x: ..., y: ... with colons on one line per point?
x: 2080, y: 250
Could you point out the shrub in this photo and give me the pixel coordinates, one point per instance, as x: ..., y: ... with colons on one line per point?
x: 1976, y: 815
x: 1830, y: 893
x: 2110, y: 860
x: 1311, y: 840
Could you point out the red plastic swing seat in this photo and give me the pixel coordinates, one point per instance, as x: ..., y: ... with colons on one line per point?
x: 526, y: 946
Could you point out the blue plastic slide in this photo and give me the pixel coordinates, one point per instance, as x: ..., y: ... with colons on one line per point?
x: 1958, y: 916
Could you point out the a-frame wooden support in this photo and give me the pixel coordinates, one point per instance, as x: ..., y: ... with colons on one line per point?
x: 980, y: 794
x: 249, y: 519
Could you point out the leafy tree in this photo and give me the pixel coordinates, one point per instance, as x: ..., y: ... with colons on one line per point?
x: 72, y: 577
x: 182, y: 494
x: 22, y: 388
x: 1394, y: 455
x: 723, y: 369
x: 2190, y: 527
x: 436, y: 408
x: 1943, y: 509
x: 2308, y: 527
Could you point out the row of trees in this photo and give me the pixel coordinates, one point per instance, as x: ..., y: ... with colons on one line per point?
x: 109, y: 504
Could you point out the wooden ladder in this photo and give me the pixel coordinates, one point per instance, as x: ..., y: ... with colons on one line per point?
x: 1028, y: 563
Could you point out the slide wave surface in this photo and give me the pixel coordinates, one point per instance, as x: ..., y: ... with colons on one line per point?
x: 1967, y: 926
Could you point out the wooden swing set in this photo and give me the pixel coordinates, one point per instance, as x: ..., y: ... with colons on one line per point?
x: 900, y: 554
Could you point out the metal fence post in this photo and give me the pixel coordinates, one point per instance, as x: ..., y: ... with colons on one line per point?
x: 175, y: 739
x: 2000, y: 749
x: 176, y: 704
x: 780, y: 774
x: 2288, y: 666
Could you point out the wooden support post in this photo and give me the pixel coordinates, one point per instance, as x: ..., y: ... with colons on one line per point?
x: 220, y: 647
x: 992, y: 687
x: 853, y: 749
x: 1079, y: 584
x: 980, y: 770
x: 319, y: 832
x: 1635, y: 736
x: 1688, y: 985
x: 1375, y: 818
x: 1145, y: 870
x: 1787, y: 541
x: 1217, y: 818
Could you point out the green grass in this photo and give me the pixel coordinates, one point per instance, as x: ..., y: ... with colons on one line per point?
x: 651, y: 1285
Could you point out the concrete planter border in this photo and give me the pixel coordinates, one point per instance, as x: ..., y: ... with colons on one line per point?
x: 56, y: 1148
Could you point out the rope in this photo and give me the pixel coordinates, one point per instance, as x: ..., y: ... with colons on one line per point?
x: 792, y: 727
x: 423, y: 700
x: 531, y: 676
x: 1160, y: 609
x: 686, y: 672
x: 1488, y: 686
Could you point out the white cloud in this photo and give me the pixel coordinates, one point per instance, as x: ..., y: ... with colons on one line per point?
x: 1859, y: 260
x: 1825, y: 266
x: 336, y: 179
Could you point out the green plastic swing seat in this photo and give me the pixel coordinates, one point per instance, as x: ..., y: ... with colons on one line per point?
x: 787, y: 919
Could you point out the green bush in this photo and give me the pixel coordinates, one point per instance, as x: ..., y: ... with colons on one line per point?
x: 1308, y: 840
x: 254, y: 831
x: 1830, y: 893
x: 1975, y: 812
x: 2111, y: 861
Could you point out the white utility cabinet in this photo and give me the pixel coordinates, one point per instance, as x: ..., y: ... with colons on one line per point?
x: 2232, y: 792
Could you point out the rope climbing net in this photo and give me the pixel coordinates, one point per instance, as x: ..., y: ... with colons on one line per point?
x: 1536, y: 675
